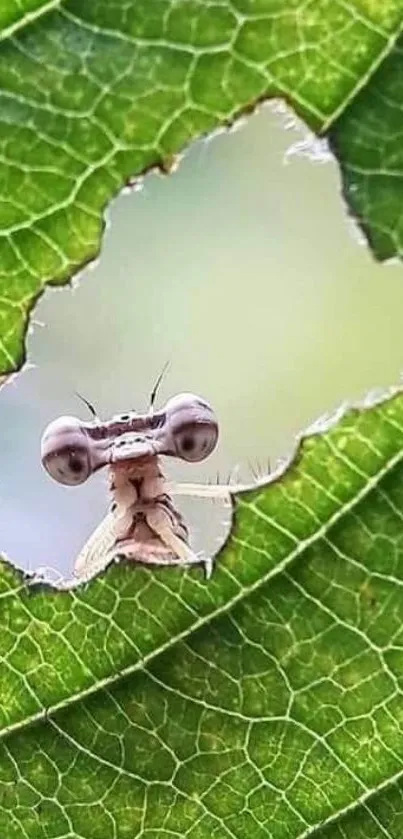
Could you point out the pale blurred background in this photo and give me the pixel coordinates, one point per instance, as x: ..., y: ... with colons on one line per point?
x: 243, y: 270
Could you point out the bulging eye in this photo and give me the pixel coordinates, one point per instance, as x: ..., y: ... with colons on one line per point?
x: 65, y: 452
x: 68, y: 465
x: 195, y: 441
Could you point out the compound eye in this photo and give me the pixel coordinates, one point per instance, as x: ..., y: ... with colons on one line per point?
x: 196, y: 441
x: 65, y: 452
x: 68, y: 466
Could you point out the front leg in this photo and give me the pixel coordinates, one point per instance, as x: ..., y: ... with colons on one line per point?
x: 160, y: 522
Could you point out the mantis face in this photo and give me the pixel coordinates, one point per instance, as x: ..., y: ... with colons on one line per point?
x: 72, y: 450
x: 143, y: 523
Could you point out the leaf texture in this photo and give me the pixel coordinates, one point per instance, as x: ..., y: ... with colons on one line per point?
x: 264, y: 703
x: 92, y: 95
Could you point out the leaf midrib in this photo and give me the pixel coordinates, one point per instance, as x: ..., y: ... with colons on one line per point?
x: 29, y: 18
x: 315, y: 830
x: 364, y: 80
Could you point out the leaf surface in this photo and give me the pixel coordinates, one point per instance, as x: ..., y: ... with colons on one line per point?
x: 93, y: 95
x: 367, y: 141
x: 264, y: 703
x: 16, y: 14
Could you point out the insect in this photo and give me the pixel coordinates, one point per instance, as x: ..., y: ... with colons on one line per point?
x: 143, y: 522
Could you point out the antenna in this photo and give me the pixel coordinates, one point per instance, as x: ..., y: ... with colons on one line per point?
x: 157, y: 384
x: 88, y: 404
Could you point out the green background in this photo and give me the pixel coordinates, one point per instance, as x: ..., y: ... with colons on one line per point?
x: 242, y: 269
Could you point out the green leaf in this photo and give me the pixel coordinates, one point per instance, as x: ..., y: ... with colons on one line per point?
x: 264, y: 703
x: 15, y: 14
x: 367, y: 140
x: 94, y: 94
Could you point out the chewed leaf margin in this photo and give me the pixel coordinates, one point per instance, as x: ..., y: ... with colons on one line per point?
x: 143, y: 612
x: 131, y: 681
x: 94, y: 96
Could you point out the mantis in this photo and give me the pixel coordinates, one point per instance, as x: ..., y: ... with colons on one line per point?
x: 143, y: 523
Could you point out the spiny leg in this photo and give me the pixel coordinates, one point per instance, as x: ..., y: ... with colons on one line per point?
x: 221, y: 492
